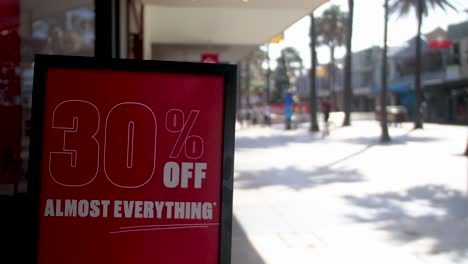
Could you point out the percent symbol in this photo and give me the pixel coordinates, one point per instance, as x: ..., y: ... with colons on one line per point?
x: 176, y: 123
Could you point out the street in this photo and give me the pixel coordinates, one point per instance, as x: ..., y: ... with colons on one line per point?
x: 348, y: 198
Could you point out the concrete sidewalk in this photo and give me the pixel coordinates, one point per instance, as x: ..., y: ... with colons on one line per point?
x: 349, y: 199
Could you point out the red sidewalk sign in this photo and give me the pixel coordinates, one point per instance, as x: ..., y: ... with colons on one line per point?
x: 132, y: 161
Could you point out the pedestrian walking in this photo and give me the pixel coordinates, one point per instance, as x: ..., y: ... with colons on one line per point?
x: 326, y: 106
x: 266, y: 115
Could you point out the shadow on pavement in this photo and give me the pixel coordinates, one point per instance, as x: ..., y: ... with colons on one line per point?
x: 243, y: 251
x: 426, y: 212
x: 244, y: 142
x: 396, y: 140
x: 297, y: 179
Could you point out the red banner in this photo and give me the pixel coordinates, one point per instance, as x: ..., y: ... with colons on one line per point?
x: 297, y: 108
x: 131, y: 167
x: 440, y: 44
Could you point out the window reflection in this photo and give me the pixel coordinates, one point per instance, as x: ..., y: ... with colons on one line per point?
x: 69, y: 34
x: 10, y: 94
x: 29, y: 27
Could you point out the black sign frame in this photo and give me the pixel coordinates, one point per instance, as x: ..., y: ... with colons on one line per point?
x: 227, y: 71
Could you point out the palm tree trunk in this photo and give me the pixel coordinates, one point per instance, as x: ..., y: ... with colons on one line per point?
x: 385, y: 137
x: 348, y: 92
x: 268, y: 76
x: 312, y: 73
x: 239, y: 93
x: 417, y: 79
x: 247, y: 82
x: 332, y: 77
x: 466, y: 148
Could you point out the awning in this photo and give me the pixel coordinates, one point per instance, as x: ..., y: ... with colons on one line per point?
x: 395, y: 88
x: 453, y: 84
x: 241, y: 23
x: 201, y: 25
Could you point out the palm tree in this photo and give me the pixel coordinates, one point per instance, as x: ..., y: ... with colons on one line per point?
x: 348, y: 92
x: 385, y: 137
x: 421, y: 7
x: 289, y: 65
x: 268, y: 76
x: 312, y: 76
x: 330, y: 28
x: 293, y: 60
x: 247, y: 78
x: 253, y: 71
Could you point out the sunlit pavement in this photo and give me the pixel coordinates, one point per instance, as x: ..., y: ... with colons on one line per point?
x: 349, y: 199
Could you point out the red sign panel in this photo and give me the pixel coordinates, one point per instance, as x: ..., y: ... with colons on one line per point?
x: 130, y: 166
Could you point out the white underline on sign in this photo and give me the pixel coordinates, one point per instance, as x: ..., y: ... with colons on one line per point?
x: 169, y: 225
x: 157, y: 229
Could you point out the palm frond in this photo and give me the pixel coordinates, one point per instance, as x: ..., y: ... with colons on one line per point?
x: 405, y: 7
x: 443, y: 4
x: 331, y: 27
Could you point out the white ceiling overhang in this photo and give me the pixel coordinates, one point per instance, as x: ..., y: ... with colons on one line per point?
x: 220, y: 22
x: 199, y: 22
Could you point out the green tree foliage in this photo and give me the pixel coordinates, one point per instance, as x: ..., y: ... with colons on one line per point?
x: 289, y: 67
x: 256, y: 59
x: 405, y: 7
x: 331, y: 29
x: 420, y: 8
x: 253, y: 77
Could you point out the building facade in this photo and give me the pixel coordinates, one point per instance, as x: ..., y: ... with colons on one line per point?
x: 444, y: 76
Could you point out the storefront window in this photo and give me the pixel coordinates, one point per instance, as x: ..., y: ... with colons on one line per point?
x: 69, y: 34
x: 29, y: 27
x: 10, y: 94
